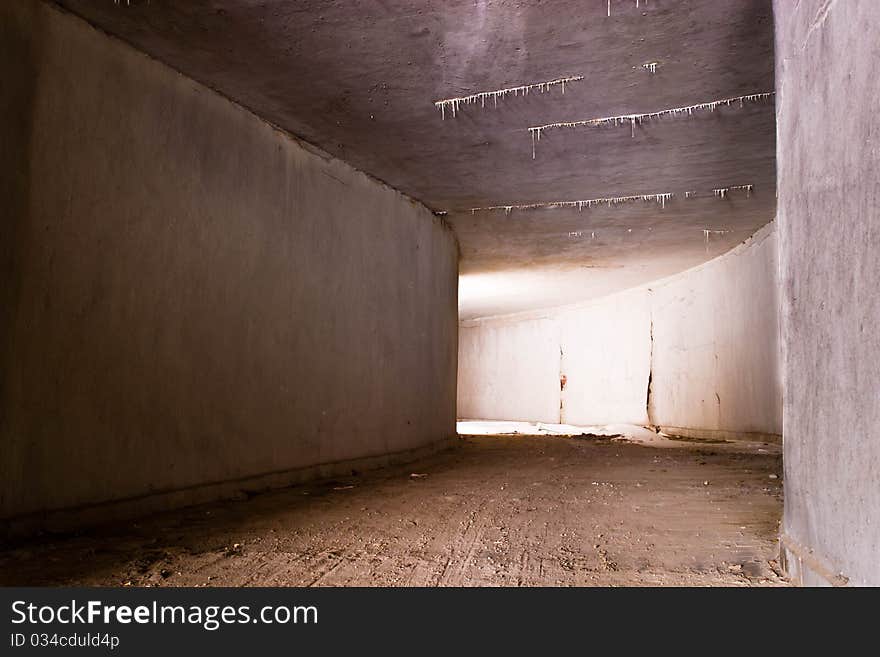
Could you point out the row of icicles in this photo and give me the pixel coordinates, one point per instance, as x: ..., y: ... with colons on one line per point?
x: 707, y: 233
x: 453, y: 105
x: 623, y: 119
x: 638, y: 119
x: 661, y: 199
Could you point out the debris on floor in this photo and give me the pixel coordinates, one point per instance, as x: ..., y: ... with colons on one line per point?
x: 495, y: 511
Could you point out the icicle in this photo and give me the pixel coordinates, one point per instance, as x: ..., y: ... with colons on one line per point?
x: 580, y: 204
x: 674, y: 111
x: 523, y: 90
x: 536, y: 137
x: 609, y: 6
x: 724, y: 191
x: 610, y: 201
x: 707, y: 232
x: 651, y: 67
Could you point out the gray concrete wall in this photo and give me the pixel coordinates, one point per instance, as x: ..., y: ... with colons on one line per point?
x: 190, y: 296
x: 706, y: 338
x: 828, y: 57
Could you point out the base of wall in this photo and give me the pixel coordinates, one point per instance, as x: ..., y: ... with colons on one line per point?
x: 718, y: 434
x: 93, y: 515
x: 804, y: 568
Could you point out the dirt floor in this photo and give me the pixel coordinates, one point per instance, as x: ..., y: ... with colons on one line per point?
x: 496, y: 510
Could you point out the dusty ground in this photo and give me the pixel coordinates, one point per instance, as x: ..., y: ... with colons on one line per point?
x: 509, y: 511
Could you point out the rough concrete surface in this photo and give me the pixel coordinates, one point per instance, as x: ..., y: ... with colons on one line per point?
x: 705, y: 339
x: 191, y: 296
x: 828, y: 54
x: 498, y: 511
x: 359, y: 78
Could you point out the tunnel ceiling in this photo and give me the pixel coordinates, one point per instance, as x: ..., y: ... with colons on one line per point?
x: 359, y: 79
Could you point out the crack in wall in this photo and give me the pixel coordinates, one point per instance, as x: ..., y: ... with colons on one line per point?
x: 650, y: 371
x: 562, y: 381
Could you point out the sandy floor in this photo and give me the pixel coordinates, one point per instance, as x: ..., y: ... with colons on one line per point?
x: 497, y: 510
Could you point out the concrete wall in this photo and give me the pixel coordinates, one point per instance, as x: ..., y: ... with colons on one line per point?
x: 707, y: 339
x: 828, y: 55
x: 607, y: 360
x: 509, y: 371
x: 190, y: 296
x: 716, y: 362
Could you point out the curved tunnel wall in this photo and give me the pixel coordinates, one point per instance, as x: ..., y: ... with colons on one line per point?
x: 192, y: 297
x: 706, y: 340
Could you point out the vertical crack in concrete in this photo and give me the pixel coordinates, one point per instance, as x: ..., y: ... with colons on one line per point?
x: 562, y: 381
x: 650, y: 374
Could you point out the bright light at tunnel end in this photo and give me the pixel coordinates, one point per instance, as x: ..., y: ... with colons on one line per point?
x: 479, y: 287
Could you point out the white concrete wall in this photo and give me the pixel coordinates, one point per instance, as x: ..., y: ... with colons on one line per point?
x: 190, y: 296
x: 716, y: 348
x: 606, y: 350
x: 707, y: 338
x: 510, y: 371
x: 827, y: 59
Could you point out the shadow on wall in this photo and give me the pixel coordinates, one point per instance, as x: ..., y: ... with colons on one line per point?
x: 17, y: 92
x: 189, y: 297
x: 695, y: 354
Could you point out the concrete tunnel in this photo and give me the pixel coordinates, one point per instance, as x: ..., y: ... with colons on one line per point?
x: 462, y: 293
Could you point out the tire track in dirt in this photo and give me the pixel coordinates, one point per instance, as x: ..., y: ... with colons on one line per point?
x: 498, y: 511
